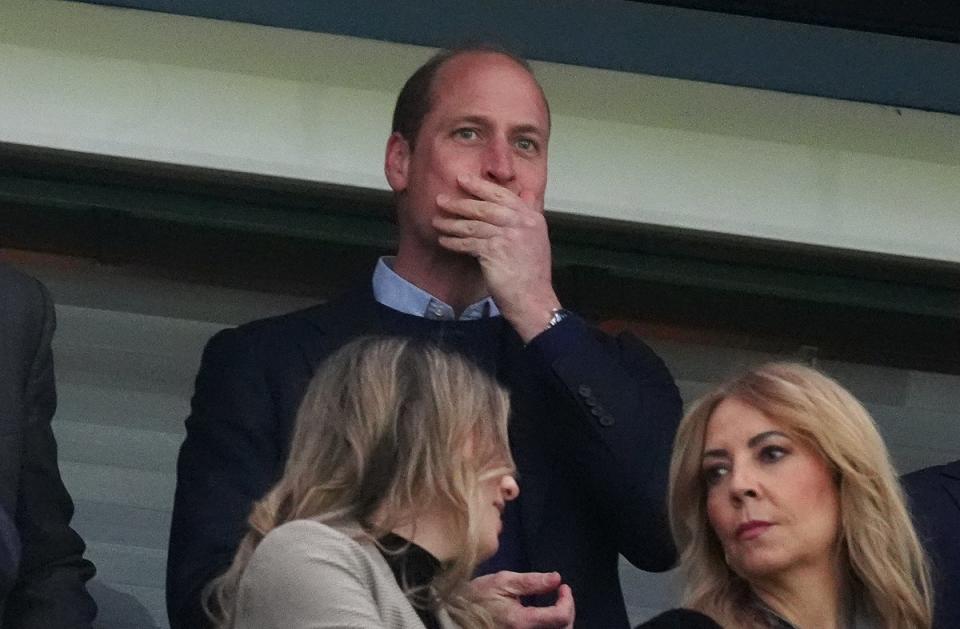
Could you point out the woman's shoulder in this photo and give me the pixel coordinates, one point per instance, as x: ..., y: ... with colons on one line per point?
x: 338, y: 531
x: 302, y: 542
x: 680, y: 619
x: 306, y: 573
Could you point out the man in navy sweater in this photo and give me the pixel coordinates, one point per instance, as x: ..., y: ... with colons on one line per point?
x: 593, y: 415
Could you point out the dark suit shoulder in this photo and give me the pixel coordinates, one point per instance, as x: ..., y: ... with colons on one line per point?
x: 310, y: 332
x: 326, y: 317
x: 927, y: 485
x: 24, y: 298
x: 934, y: 472
x: 934, y: 499
x: 275, y: 331
x: 922, y: 475
x: 279, y: 324
x: 27, y: 321
x: 267, y: 363
x: 11, y: 278
x: 247, y: 356
x: 680, y: 619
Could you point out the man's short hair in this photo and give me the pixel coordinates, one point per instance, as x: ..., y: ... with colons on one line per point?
x: 416, y: 98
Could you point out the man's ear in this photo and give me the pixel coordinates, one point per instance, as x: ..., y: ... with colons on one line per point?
x: 397, y: 161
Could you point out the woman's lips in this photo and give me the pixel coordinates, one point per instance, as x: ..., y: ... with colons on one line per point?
x: 752, y: 529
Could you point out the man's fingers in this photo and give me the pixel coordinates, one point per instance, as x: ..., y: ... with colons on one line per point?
x: 463, y: 228
x: 488, y: 191
x: 468, y: 246
x: 483, y: 189
x: 486, y: 211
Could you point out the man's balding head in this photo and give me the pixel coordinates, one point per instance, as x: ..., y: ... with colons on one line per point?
x: 417, y: 97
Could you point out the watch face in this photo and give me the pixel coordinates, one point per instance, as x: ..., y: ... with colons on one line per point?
x: 558, y: 315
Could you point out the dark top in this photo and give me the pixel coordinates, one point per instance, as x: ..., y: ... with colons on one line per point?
x: 680, y: 619
x: 414, y: 569
x: 592, y: 420
x: 690, y: 619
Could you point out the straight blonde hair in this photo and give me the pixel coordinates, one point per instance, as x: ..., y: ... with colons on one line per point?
x: 887, y: 568
x: 387, y: 426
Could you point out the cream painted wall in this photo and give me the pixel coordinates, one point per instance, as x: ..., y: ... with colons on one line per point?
x: 640, y: 148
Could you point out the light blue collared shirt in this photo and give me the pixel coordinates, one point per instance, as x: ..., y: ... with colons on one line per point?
x: 394, y: 292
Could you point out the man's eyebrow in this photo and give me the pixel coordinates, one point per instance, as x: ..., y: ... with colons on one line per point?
x: 763, y: 436
x: 472, y: 119
x: 529, y: 128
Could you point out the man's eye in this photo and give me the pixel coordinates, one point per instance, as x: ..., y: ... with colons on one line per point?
x: 466, y: 134
x: 527, y: 145
x: 772, y: 454
x: 713, y: 475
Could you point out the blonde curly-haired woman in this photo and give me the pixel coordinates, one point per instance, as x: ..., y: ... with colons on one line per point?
x: 398, y: 472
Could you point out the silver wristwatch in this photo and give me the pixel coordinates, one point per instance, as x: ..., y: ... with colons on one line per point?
x: 556, y: 316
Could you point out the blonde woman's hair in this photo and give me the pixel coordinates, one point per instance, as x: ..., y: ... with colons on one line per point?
x: 387, y: 427
x: 886, y: 566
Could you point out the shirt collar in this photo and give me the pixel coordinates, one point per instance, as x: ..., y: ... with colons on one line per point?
x: 396, y: 293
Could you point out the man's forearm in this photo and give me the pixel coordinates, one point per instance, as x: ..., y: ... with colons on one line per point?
x: 616, y: 413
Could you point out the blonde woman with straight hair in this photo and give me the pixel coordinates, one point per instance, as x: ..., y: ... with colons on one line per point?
x: 788, y: 513
x: 398, y: 472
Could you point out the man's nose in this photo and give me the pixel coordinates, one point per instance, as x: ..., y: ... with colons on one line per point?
x: 498, y: 162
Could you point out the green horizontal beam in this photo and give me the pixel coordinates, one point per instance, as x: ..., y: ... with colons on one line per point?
x: 619, y: 251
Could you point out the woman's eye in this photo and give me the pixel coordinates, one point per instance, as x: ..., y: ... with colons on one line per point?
x: 713, y: 475
x: 771, y: 454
